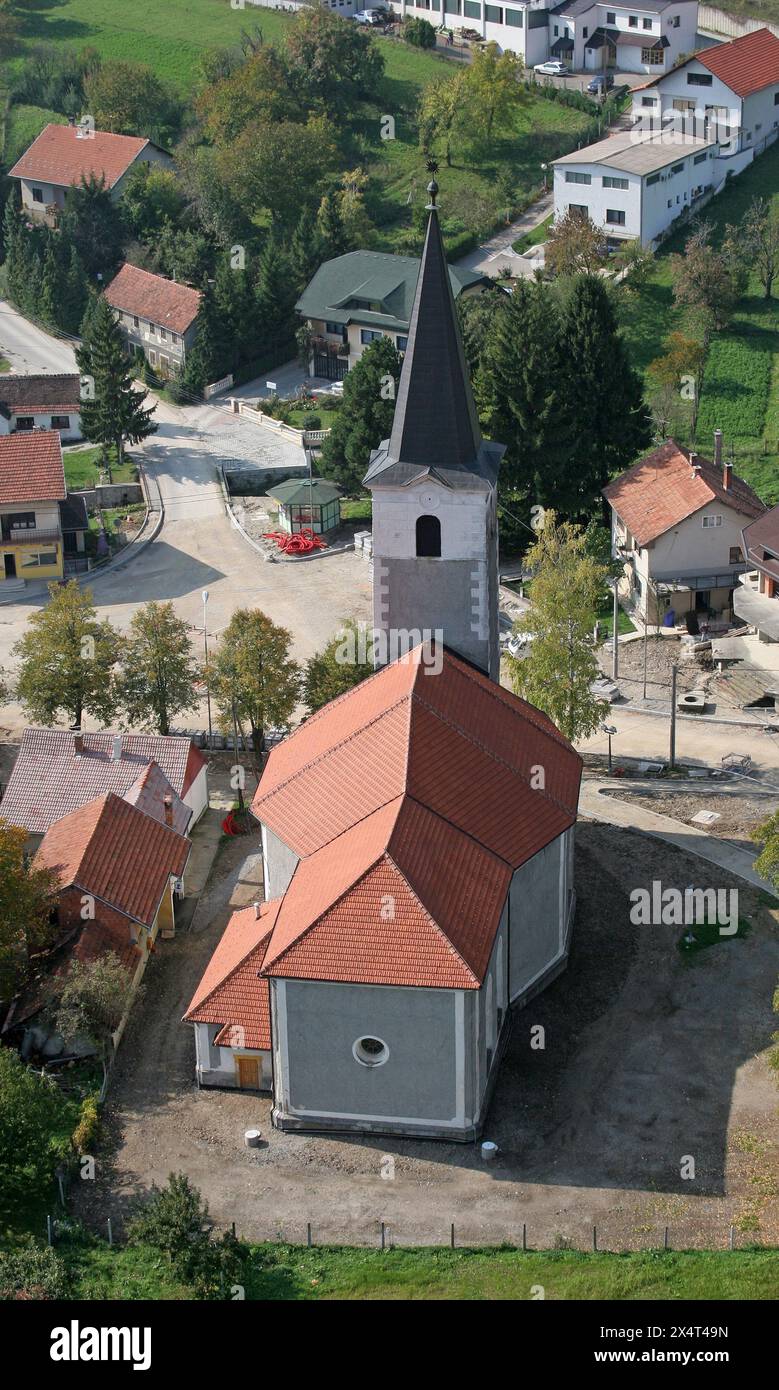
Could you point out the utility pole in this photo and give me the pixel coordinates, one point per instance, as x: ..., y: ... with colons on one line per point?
x: 615, y: 633
x: 672, y: 757
x: 235, y: 745
x: 646, y: 625
x: 208, y: 683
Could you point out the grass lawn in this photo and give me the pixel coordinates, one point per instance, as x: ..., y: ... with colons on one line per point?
x: 23, y: 125
x: 534, y: 238
x: 283, y: 1272
x: 81, y: 467
x: 5, y: 365
x: 356, y: 509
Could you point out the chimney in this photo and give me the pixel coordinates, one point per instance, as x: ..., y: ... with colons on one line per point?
x: 116, y: 748
x: 167, y: 802
x: 694, y: 464
x: 71, y: 120
x: 78, y: 745
x: 718, y: 448
x: 256, y: 907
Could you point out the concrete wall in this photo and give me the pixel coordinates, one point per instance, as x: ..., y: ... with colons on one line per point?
x: 42, y: 421
x: 111, y: 494
x: 278, y: 864
x: 218, y: 1066
x: 540, y: 907
x: 197, y: 796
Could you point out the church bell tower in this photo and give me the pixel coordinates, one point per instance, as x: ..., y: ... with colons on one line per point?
x: 434, y: 485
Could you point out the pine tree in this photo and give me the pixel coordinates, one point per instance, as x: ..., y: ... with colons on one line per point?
x: 48, y: 295
x: 235, y: 313
x: 306, y: 251
x: 112, y: 410
x: 602, y: 395
x: 330, y: 226
x: 365, y: 417
x: 73, y: 295
x: 275, y: 293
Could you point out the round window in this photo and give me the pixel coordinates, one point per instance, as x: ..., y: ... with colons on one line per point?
x: 371, y: 1052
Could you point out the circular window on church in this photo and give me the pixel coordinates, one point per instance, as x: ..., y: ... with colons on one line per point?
x: 370, y: 1052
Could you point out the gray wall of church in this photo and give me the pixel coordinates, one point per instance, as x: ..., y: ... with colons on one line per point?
x: 457, y: 596
x: 279, y: 864
x: 535, y: 915
x: 322, y: 1023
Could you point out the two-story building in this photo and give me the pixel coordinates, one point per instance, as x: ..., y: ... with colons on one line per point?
x: 677, y: 520
x: 158, y: 316
x: 730, y: 89
x: 364, y: 295
x: 32, y: 488
x: 46, y: 401
x: 756, y: 600
x: 634, y: 186
x: 63, y: 155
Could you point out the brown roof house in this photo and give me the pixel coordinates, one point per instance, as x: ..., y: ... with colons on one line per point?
x: 417, y: 832
x: 116, y: 867
x: 158, y: 316
x: 756, y: 599
x: 50, y: 401
x: 676, y: 522
x: 63, y: 155
x: 57, y: 771
x: 32, y: 490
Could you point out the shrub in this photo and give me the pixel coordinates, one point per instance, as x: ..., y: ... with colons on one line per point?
x: 418, y: 32
x: 32, y: 1273
x: 312, y: 422
x: 85, y: 1133
x: 176, y: 1222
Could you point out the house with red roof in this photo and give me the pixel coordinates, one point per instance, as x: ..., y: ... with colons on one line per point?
x: 158, y: 316
x: 730, y: 88
x: 62, y: 155
x: 756, y: 599
x: 41, y: 401
x: 677, y: 520
x: 231, y: 1006
x: 32, y: 493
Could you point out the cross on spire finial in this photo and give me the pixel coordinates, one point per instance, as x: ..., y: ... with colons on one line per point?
x: 432, y: 187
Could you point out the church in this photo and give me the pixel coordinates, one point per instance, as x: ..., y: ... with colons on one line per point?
x: 417, y: 832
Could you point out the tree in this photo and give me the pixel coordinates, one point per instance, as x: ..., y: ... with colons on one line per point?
x: 418, y: 32
x: 33, y: 1271
x: 26, y: 897
x: 30, y: 1108
x: 678, y: 372
x: 365, y: 417
x: 561, y: 665
x: 602, y: 396
x: 235, y: 309
x: 636, y: 262
x: 151, y: 196
x: 93, y: 223
x: 357, y: 225
x: 575, y: 246
x: 759, y: 238
x: 767, y: 837
x: 253, y: 674
x: 159, y: 675
x: 115, y: 410
x: 275, y: 293
x: 93, y: 1001
x: 306, y: 250
x: 66, y: 659
x: 334, y: 64
x: 129, y: 99
x: 258, y: 90
x: 328, y: 675
x: 708, y: 280
x: 10, y: 27
x: 441, y: 111
x: 330, y: 230
x: 278, y: 168
x: 493, y: 88
x: 176, y: 1222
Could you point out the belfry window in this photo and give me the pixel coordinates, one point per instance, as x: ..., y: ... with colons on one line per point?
x: 428, y: 536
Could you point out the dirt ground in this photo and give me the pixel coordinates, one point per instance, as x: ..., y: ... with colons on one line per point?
x: 649, y: 1058
x: 738, y: 814
x: 662, y: 654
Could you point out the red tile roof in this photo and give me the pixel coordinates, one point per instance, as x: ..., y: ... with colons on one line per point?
x: 49, y: 779
x: 747, y: 64
x: 149, y: 793
x: 31, y: 468
x: 761, y: 542
x: 152, y: 297
x: 28, y: 392
x: 230, y: 992
x: 662, y: 489
x: 114, y: 852
x: 414, y: 788
x: 61, y: 155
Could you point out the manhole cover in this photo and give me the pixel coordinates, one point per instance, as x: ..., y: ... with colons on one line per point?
x: 705, y: 818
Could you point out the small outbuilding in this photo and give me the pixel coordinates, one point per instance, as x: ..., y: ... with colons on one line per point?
x: 308, y: 502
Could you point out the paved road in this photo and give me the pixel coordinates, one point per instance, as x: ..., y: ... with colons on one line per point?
x: 28, y: 348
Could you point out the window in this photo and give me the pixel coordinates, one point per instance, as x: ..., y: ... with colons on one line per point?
x: 572, y: 177
x: 615, y: 216
x: 711, y: 519
x: 585, y: 32
x: 473, y: 10
x: 35, y: 561
x: 611, y: 18
x: 429, y: 537
x: 653, y: 178
x: 369, y: 335
x: 334, y: 328
x: 648, y: 101
x: 60, y: 422
x: 370, y: 1052
x: 174, y: 338
x: 670, y: 202
x: 677, y: 21
x: 493, y: 14
x: 633, y: 21
x: 556, y: 31
x: 681, y: 104
x: 652, y: 56
x: 37, y: 195
x: 401, y: 343
x: 19, y: 521
x: 153, y: 358
x: 514, y: 18
x: 776, y: 98
x: 699, y: 158
x: 699, y: 79
x: 735, y: 555
x: 163, y: 335
x: 677, y: 168
x: 580, y: 209
x: 609, y: 182
x: 646, y: 23
x: 453, y: 6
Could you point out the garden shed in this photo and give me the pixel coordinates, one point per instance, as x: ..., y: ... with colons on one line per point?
x: 310, y: 502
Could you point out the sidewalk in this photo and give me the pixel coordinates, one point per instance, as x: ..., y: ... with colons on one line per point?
x: 496, y: 253
x: 596, y: 806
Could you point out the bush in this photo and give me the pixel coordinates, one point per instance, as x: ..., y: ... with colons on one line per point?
x: 312, y: 422
x: 418, y: 32
x: 460, y: 244
x: 85, y: 1133
x: 176, y: 1222
x: 32, y: 1273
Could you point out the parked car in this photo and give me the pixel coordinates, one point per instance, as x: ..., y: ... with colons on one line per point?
x: 553, y: 68
x: 371, y: 16
x: 599, y: 84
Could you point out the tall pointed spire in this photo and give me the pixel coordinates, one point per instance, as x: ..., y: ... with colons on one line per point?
x: 435, y: 420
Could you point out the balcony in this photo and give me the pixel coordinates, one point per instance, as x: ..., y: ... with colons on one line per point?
x: 760, y: 611
x: 31, y: 536
x: 329, y: 347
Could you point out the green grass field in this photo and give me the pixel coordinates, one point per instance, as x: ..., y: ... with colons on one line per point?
x: 23, y: 125
x: 81, y: 467
x: 283, y: 1273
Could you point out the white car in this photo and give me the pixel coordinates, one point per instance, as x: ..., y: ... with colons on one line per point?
x: 518, y: 644
x: 552, y: 68
x: 370, y: 16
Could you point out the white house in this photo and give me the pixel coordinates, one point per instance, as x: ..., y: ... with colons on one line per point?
x: 158, y: 316
x: 46, y: 401
x: 63, y: 155
x: 731, y: 89
x: 635, y: 186
x: 677, y: 523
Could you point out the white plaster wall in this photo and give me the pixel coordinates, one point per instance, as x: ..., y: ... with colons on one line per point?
x: 197, y: 796
x: 463, y: 517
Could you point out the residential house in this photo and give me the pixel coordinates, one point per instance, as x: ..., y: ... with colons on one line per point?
x: 417, y: 832
x: 755, y: 598
x: 364, y: 295
x: 634, y: 187
x: 50, y: 401
x: 32, y: 488
x: 730, y: 89
x: 158, y: 316
x: 62, y: 155
x: 116, y: 868
x: 231, y: 1006
x: 677, y: 520
x: 58, y: 770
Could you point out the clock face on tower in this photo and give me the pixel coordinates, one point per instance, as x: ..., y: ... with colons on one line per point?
x: 429, y: 500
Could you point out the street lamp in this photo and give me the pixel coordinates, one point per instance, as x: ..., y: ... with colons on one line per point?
x: 205, y: 647
x: 610, y: 729
x: 544, y: 168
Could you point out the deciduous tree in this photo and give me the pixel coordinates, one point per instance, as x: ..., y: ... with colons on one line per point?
x: 758, y: 235
x: 575, y: 246
x: 336, y: 668
x: 93, y: 1001
x: 707, y: 279
x: 30, y: 1108
x: 26, y: 899
x: 254, y: 675
x: 66, y: 659
x: 159, y: 675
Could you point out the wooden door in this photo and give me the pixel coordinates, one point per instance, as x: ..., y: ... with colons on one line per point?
x: 248, y: 1073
